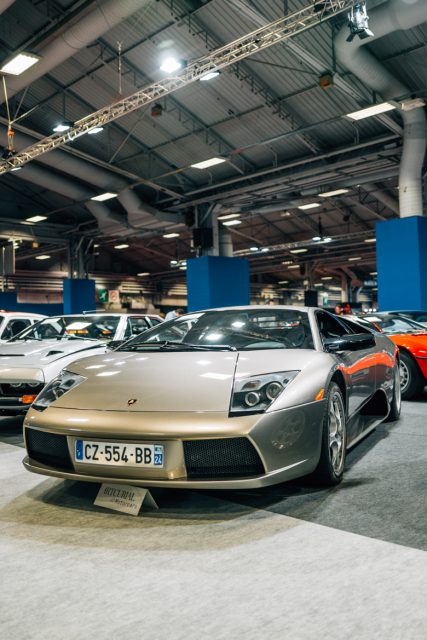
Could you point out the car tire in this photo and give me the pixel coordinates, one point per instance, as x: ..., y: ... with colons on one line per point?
x: 396, y: 401
x: 330, y: 468
x: 411, y: 380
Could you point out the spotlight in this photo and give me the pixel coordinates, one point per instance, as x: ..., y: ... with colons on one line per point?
x: 358, y: 21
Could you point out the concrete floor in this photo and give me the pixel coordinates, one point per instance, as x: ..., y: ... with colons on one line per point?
x: 284, y: 562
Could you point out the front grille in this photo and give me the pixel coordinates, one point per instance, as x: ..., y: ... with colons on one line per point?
x: 221, y: 458
x: 48, y: 448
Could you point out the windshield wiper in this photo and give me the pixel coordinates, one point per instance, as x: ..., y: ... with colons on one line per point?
x: 171, y: 345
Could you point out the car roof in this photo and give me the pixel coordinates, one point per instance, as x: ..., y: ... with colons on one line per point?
x: 257, y: 307
x: 22, y: 313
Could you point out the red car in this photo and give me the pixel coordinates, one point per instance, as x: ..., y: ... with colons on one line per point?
x: 411, y: 338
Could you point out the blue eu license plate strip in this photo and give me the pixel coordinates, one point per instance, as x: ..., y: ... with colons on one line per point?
x: 146, y: 456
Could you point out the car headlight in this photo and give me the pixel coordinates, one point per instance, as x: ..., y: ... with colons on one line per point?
x: 256, y: 393
x: 57, y: 388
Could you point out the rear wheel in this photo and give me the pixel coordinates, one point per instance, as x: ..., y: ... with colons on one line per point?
x: 411, y: 380
x: 330, y: 469
x: 396, y: 402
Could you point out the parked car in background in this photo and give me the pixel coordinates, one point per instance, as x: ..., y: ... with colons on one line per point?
x: 37, y: 354
x: 13, y: 322
x: 417, y: 316
x: 226, y: 398
x: 411, y: 338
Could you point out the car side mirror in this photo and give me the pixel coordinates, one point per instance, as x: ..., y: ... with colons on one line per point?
x: 350, y: 342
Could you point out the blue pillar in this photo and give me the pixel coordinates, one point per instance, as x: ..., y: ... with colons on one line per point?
x: 402, y: 264
x: 79, y: 295
x: 215, y: 281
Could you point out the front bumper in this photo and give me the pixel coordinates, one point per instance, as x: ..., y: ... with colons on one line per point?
x: 286, y: 443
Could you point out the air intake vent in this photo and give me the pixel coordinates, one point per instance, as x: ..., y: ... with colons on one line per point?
x: 48, y: 448
x: 221, y: 458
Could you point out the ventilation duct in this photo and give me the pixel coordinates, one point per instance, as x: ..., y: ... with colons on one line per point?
x: 5, y: 4
x: 109, y: 222
x: 385, y: 19
x: 83, y: 32
x: 139, y: 213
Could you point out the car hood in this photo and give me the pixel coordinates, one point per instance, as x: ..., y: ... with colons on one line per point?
x: 170, y: 381
x: 41, y: 353
x: 415, y: 343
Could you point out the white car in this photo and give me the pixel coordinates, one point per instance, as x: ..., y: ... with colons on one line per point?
x: 37, y: 355
x: 13, y: 322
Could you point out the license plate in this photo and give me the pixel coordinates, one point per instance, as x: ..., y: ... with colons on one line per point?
x: 146, y: 456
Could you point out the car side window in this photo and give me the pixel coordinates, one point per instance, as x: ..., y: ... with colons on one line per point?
x: 135, y: 326
x: 15, y: 326
x: 330, y: 327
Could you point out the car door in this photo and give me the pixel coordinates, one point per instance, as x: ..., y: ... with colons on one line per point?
x: 357, y: 366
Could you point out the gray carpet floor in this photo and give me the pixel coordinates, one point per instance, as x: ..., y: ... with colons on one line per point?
x: 286, y: 562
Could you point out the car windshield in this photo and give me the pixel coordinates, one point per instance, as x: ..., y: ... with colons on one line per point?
x: 236, y: 329
x: 396, y: 324
x: 71, y: 327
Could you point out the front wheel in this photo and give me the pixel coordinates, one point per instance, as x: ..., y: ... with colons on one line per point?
x: 396, y: 401
x: 330, y: 469
x: 411, y: 380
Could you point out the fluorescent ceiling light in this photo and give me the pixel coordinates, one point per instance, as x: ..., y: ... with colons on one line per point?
x: 43, y: 257
x: 318, y: 284
x: 183, y: 268
x: 354, y: 258
x: 63, y: 126
x: 293, y: 266
x: 95, y: 130
x: 264, y: 249
x: 287, y: 262
x: 316, y: 238
x: 337, y: 192
x: 231, y: 223
x: 104, y: 196
x: 374, y: 110
x: 121, y: 246
x: 16, y: 169
x: 19, y: 63
x: 283, y: 282
x: 144, y: 273
x: 254, y: 249
x: 170, y: 65
x: 327, y: 278
x: 373, y: 273
x: 208, y: 163
x: 36, y: 218
x: 414, y: 103
x: 209, y: 76
x: 327, y: 239
x: 229, y: 216
x: 171, y: 235
x: 311, y: 205
x: 298, y: 250
x: 370, y: 240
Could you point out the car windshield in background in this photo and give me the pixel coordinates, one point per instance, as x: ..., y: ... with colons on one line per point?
x: 72, y: 327
x: 228, y: 330
x: 396, y: 324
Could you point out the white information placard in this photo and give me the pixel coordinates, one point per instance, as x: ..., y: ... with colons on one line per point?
x: 124, y: 498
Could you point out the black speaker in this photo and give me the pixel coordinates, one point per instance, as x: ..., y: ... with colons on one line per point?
x: 202, y: 237
x: 310, y: 298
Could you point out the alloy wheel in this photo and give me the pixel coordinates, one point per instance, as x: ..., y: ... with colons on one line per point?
x: 398, y: 387
x: 336, y: 429
x: 404, y: 375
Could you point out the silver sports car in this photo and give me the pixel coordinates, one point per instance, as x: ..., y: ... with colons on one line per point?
x: 225, y: 398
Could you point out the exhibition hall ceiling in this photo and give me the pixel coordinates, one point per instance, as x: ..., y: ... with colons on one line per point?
x: 277, y: 121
